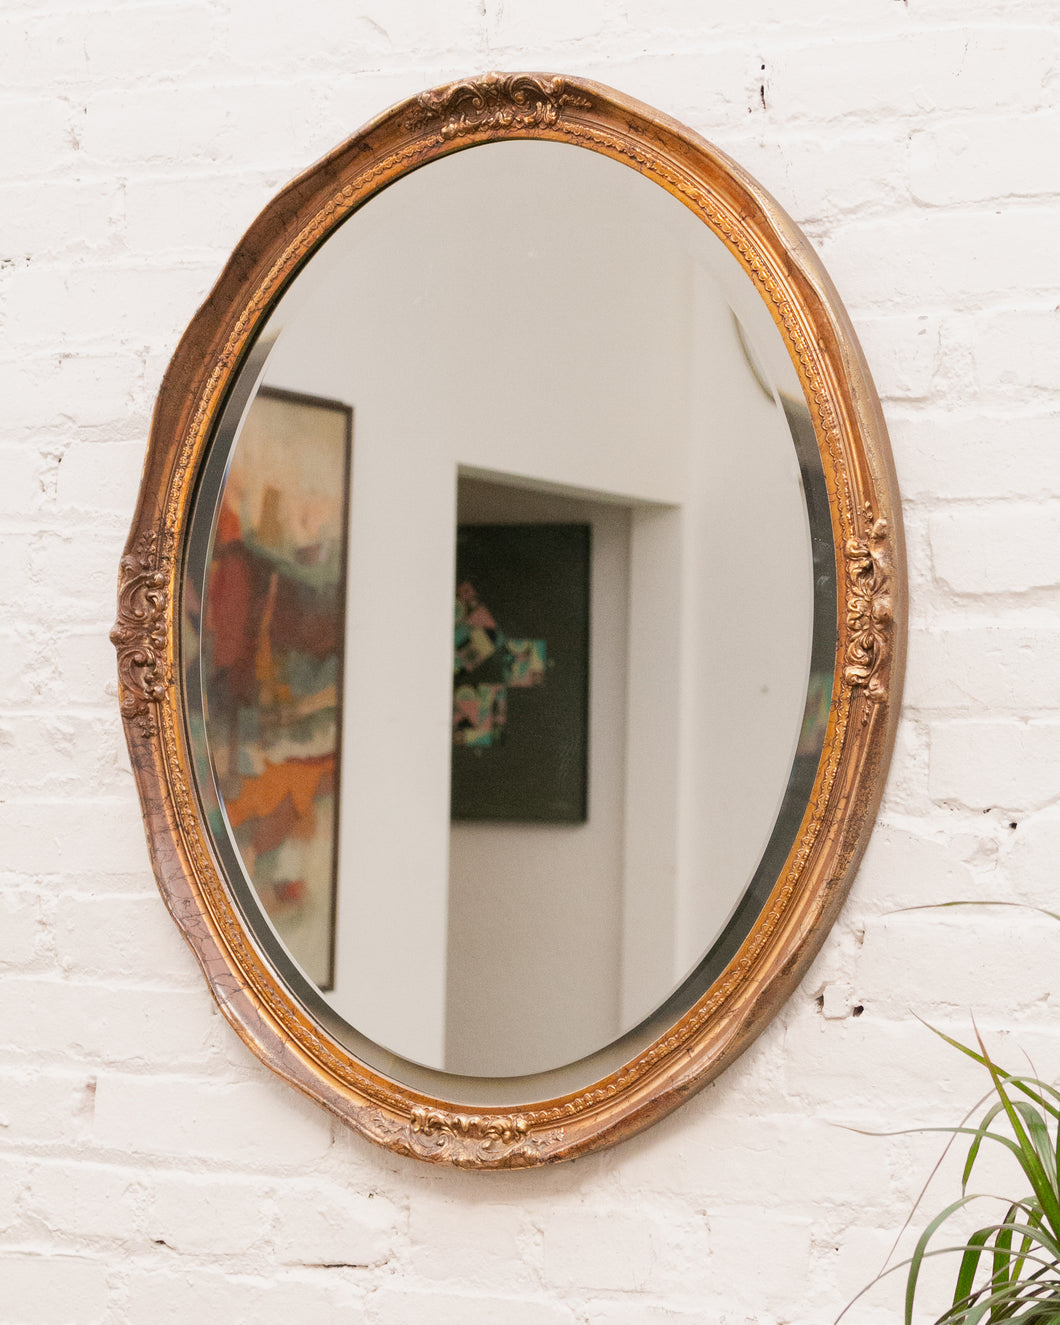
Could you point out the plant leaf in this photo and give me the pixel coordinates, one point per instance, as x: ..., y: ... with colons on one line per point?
x: 970, y: 1264
x: 1032, y: 1166
x: 917, y: 1258
x: 981, y: 1133
x: 1023, y: 1148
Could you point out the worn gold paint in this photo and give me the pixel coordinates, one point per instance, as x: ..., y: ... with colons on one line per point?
x: 869, y: 654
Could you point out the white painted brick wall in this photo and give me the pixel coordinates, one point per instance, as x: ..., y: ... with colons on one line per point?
x: 150, y: 1169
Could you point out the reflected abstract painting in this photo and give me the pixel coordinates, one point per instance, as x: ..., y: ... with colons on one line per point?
x: 272, y: 638
x: 521, y: 673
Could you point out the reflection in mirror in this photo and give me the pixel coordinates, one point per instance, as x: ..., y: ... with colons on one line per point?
x: 514, y: 849
x: 271, y: 660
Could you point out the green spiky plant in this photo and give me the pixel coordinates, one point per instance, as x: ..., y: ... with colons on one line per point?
x: 1009, y: 1270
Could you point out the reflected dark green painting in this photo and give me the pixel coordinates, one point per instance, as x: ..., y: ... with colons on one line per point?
x: 521, y: 673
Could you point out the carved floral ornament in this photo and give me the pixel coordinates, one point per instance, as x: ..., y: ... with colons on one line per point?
x: 472, y: 1141
x: 870, y: 611
x: 503, y: 102
x: 140, y: 633
x: 812, y: 881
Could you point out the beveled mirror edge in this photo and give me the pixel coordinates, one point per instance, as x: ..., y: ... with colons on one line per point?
x: 867, y: 532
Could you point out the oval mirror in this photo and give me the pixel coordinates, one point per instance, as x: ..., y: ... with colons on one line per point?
x: 510, y: 628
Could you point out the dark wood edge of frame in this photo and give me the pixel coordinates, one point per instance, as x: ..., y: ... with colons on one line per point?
x: 867, y: 532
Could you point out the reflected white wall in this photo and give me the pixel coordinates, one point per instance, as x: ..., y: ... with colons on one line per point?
x: 542, y: 314
x: 524, y: 896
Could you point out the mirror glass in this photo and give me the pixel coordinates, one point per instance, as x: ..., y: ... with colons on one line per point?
x: 509, y: 620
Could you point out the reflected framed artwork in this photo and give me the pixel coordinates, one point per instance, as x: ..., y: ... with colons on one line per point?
x: 521, y: 673
x: 271, y: 659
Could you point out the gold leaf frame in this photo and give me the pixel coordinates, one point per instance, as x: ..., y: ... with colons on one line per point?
x: 869, y: 647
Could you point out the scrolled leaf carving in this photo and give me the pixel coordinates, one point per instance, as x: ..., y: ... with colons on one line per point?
x: 495, y: 101
x: 472, y: 1140
x: 870, y: 612
x: 139, y: 634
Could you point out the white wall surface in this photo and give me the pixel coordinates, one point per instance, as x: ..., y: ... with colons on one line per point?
x: 150, y: 1169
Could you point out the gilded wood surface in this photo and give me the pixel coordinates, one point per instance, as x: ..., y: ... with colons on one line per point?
x: 139, y: 634
x: 503, y: 102
x: 869, y: 648
x: 870, y: 611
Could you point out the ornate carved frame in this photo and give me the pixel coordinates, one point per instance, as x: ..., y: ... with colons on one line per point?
x: 866, y: 525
